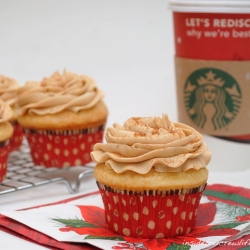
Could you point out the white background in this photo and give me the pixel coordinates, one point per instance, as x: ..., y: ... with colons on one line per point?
x: 127, y: 46
x: 122, y: 44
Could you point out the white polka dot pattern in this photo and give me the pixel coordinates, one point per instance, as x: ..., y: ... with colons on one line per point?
x: 136, y: 216
x: 17, y: 138
x: 62, y: 150
x: 150, y: 216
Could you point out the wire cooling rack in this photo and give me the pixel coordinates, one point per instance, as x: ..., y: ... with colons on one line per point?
x: 23, y: 174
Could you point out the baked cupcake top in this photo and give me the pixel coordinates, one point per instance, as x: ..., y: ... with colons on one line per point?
x: 145, y: 143
x: 6, y: 129
x: 59, y: 92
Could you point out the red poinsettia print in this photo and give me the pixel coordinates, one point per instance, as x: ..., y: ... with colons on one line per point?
x: 93, y: 223
x: 243, y: 217
x: 93, y: 226
x: 162, y: 244
x: 206, y: 213
x: 192, y: 238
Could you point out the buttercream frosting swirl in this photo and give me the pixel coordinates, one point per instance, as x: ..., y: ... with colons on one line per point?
x: 145, y: 143
x: 5, y: 112
x: 8, y: 90
x: 66, y: 91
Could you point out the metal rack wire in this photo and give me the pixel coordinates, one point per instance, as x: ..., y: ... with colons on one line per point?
x: 23, y: 174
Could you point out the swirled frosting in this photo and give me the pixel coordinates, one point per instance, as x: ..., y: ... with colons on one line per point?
x: 145, y: 143
x: 5, y: 112
x: 66, y: 91
x: 8, y: 90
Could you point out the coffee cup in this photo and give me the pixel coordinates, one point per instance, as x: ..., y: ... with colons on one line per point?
x: 212, y: 66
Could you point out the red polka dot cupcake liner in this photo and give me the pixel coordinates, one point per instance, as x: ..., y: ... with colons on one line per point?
x: 17, y: 137
x: 151, y: 214
x: 4, y: 153
x: 62, y: 148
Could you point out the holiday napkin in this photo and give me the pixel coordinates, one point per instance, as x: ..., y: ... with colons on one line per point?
x: 223, y: 220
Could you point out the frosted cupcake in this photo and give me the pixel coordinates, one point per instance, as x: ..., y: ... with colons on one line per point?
x: 6, y: 132
x: 151, y: 174
x: 62, y: 116
x: 8, y: 93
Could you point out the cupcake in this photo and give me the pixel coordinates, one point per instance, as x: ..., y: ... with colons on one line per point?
x: 6, y: 132
x: 151, y: 174
x: 8, y: 93
x: 62, y: 116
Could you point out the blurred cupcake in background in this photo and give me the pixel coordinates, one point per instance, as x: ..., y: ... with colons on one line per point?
x: 62, y: 116
x: 6, y: 132
x: 8, y: 93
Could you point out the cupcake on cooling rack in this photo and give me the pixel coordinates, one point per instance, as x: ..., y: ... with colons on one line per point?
x: 151, y: 174
x: 62, y: 116
x: 6, y: 132
x: 8, y: 93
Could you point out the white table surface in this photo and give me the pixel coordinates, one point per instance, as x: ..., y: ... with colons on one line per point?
x: 127, y: 46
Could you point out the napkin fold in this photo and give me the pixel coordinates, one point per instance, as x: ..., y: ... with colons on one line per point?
x: 223, y: 221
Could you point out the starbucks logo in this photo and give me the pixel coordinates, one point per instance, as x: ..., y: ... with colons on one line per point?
x: 212, y: 98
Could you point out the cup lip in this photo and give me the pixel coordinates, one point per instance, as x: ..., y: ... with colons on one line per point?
x: 210, y: 6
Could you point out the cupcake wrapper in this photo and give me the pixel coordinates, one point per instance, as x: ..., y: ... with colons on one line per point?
x: 62, y: 148
x: 151, y: 214
x: 4, y: 152
x: 17, y: 137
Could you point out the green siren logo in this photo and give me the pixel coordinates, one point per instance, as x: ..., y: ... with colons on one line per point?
x: 212, y: 98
